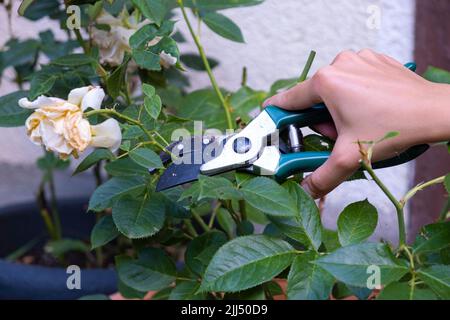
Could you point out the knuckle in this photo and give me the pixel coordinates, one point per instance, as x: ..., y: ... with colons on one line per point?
x: 345, y: 56
x: 322, y: 79
x: 366, y: 52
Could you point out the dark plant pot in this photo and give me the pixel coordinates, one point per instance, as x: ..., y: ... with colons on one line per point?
x: 22, y: 223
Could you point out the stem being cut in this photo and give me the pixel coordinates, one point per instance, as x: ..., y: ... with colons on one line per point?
x: 201, y: 51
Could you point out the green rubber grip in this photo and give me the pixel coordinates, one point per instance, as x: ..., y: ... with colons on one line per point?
x: 292, y: 163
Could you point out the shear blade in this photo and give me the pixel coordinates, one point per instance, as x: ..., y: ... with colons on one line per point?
x: 193, y: 153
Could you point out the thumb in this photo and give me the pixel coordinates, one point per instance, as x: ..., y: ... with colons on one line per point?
x: 343, y: 162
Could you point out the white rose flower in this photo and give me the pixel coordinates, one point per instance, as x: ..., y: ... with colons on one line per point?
x: 114, y: 43
x: 59, y: 124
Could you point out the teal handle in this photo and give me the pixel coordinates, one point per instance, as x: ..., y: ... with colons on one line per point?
x: 303, y: 118
x: 292, y: 163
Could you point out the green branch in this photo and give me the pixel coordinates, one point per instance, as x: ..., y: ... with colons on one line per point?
x: 114, y: 113
x: 307, y: 67
x: 398, y: 206
x: 201, y: 51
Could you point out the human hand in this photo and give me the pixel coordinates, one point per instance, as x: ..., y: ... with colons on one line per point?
x: 368, y: 94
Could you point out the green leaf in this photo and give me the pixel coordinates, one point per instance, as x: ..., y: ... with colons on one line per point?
x: 148, y: 90
x: 201, y: 250
x: 146, y: 59
x: 104, y: 231
x: 94, y: 157
x: 105, y: 195
x: 153, y: 106
x: 437, y: 75
x: 315, y: 142
x: 433, y: 237
x: 223, y: 26
x: 437, y: 277
x: 279, y: 85
x: 256, y: 293
x: 226, y: 222
x: 221, y: 4
x: 245, y: 100
x: 350, y: 264
x: 447, y: 183
x: 146, y: 158
x: 307, y: 281
x: 139, y: 217
x: 217, y: 188
x: 73, y: 60
x: 187, y: 290
x: 153, y: 270
x: 195, y: 62
x: 357, y: 222
x: 40, y: 84
x: 330, y: 240
x: 154, y: 10
x: 402, y: 291
x: 128, y: 292
x: 117, y: 78
x: 163, y: 294
x: 246, y: 262
x: 11, y: 115
x: 268, y: 196
x: 125, y: 167
x: 60, y: 247
x: 148, y: 32
x: 305, y: 226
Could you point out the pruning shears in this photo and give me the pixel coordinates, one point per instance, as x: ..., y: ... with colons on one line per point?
x: 257, y: 149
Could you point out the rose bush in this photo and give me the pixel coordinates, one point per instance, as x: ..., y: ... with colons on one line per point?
x: 129, y: 49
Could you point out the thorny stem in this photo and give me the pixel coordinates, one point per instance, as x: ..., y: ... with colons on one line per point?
x: 398, y: 206
x: 200, y: 221
x: 53, y: 205
x: 420, y: 187
x: 214, y: 214
x: 242, y: 209
x: 114, y: 113
x: 207, y: 66
x: 190, y: 228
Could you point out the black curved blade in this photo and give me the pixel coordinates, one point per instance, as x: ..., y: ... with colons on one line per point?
x: 193, y: 153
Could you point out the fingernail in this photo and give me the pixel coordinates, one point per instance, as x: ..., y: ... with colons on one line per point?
x: 266, y: 103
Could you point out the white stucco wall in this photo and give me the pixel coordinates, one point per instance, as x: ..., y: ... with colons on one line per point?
x: 279, y: 35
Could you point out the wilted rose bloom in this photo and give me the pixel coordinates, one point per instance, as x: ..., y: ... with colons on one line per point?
x: 59, y: 124
x: 114, y: 43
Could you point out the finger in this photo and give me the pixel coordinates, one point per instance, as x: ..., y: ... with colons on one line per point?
x: 328, y: 129
x: 302, y: 96
x: 343, y: 161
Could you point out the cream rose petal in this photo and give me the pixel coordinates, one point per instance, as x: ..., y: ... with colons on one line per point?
x: 52, y: 140
x: 41, y: 101
x: 76, y: 95
x: 106, y: 135
x: 77, y: 131
x: 167, y: 59
x: 93, y: 99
